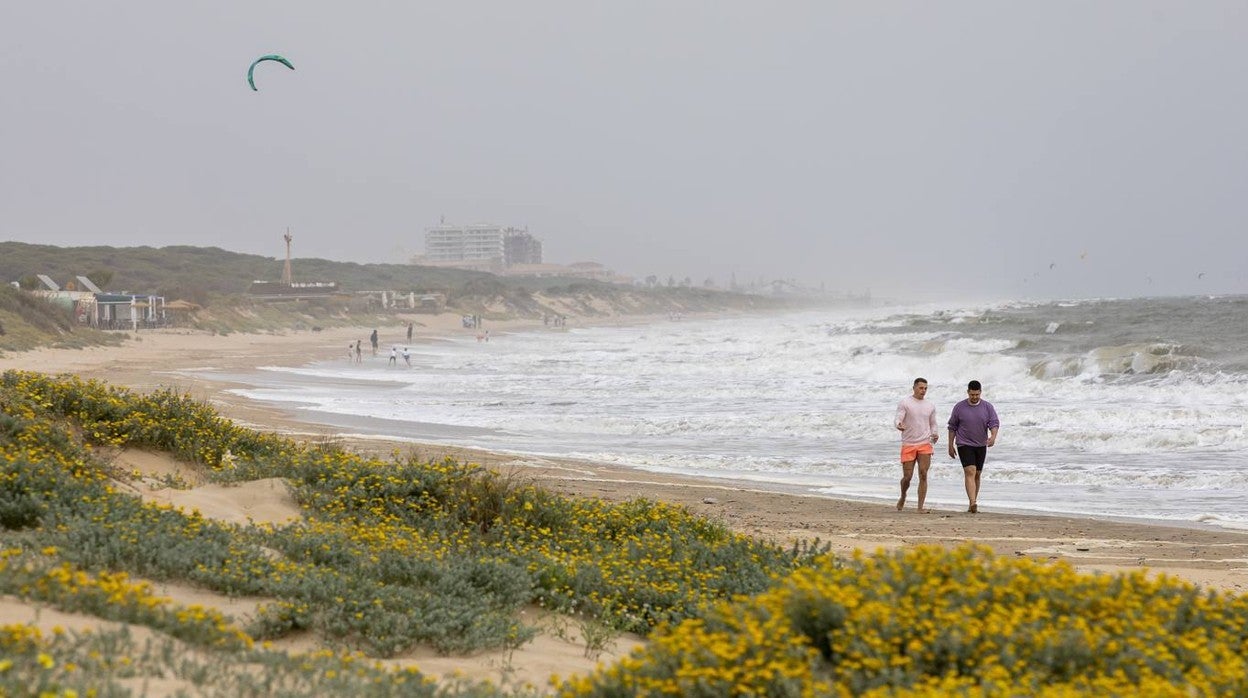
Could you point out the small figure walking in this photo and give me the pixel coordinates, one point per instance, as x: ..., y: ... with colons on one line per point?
x: 409, y: 332
x: 407, y: 357
x: 359, y: 351
x: 394, y: 356
x: 372, y: 339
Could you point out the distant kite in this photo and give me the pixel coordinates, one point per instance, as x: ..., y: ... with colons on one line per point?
x: 1201, y: 275
x: 1083, y: 255
x: 1052, y: 264
x: 271, y: 57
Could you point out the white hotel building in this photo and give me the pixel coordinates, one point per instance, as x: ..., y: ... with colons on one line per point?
x: 481, y: 247
x: 469, y: 246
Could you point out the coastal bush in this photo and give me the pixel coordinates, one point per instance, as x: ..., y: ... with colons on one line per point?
x: 112, y: 596
x: 929, y: 621
x: 164, y: 419
x: 110, y: 663
x: 390, y: 554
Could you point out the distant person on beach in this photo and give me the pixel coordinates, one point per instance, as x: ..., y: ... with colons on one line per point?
x: 409, y: 332
x: 394, y: 356
x: 372, y: 339
x: 350, y: 352
x: 359, y: 351
x: 973, y: 427
x: 916, y: 420
x: 407, y: 357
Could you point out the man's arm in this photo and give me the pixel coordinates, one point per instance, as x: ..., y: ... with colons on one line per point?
x: 992, y: 435
x: 931, y: 425
x: 994, y: 424
x: 953, y: 451
x: 900, y: 420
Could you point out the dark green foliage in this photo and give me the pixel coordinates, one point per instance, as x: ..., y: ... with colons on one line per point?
x: 205, y: 271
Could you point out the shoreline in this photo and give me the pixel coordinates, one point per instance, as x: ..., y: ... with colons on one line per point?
x: 360, y: 440
x: 1214, y: 558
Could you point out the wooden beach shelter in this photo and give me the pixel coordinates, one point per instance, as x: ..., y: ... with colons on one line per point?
x: 115, y: 311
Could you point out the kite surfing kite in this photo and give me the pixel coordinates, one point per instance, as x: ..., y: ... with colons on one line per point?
x: 271, y: 57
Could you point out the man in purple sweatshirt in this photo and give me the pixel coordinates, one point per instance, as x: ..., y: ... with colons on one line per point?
x: 973, y: 427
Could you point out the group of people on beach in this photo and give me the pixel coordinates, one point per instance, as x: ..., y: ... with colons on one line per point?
x: 355, y: 350
x: 972, y: 427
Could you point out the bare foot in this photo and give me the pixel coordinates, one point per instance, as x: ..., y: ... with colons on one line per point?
x: 974, y: 509
x: 925, y: 511
x: 901, y: 503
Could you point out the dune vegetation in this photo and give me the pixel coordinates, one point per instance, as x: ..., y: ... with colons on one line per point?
x: 27, y: 321
x: 392, y: 555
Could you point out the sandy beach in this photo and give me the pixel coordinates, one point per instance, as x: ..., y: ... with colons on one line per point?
x: 1210, y: 557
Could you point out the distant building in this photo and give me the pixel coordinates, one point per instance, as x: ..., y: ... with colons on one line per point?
x: 478, y: 245
x: 519, y: 247
x: 298, y: 290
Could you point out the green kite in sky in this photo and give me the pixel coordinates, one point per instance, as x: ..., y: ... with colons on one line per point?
x: 271, y: 57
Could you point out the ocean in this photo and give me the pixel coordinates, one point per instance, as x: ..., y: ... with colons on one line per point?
x: 1117, y: 408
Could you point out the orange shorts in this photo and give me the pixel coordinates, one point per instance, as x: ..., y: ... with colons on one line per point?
x: 911, y: 452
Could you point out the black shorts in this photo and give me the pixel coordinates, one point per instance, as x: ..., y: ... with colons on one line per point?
x: 973, y: 455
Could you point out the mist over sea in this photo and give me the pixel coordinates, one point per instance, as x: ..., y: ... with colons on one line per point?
x: 1130, y: 408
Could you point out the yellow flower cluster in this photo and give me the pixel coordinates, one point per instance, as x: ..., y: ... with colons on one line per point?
x: 929, y: 622
x: 112, y: 416
x: 19, y: 639
x: 113, y: 595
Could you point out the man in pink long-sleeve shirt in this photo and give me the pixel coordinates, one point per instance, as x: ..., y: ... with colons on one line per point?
x: 916, y: 420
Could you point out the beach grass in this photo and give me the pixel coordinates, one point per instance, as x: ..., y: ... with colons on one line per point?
x: 389, y: 555
x: 27, y: 321
x: 393, y: 554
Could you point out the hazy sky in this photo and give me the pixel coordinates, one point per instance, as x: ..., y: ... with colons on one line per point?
x: 956, y: 148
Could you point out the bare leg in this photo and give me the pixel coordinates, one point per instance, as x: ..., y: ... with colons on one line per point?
x: 975, y: 506
x: 925, y: 462
x: 907, y: 471
x: 970, y: 477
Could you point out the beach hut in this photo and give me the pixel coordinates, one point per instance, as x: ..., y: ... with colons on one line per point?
x: 119, y: 311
